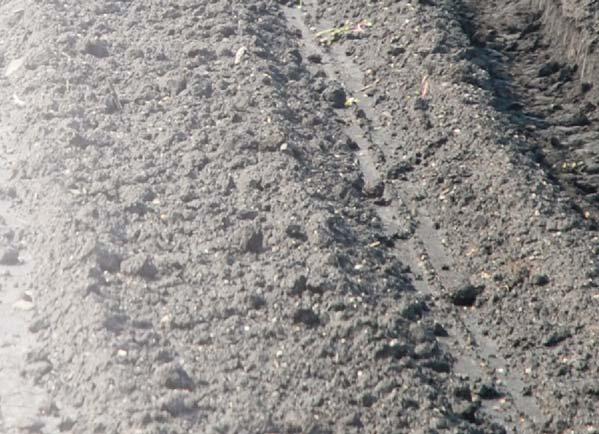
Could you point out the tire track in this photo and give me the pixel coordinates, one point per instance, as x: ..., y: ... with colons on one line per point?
x: 506, y: 217
x: 476, y: 356
x: 542, y: 80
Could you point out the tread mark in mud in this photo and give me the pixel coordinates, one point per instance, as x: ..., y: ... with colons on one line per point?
x: 425, y: 250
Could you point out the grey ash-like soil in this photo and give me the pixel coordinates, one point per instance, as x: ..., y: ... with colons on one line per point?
x: 233, y: 228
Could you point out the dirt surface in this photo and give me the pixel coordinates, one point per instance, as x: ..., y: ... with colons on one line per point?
x: 298, y: 217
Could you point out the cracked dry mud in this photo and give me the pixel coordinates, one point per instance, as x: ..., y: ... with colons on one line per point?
x: 298, y: 217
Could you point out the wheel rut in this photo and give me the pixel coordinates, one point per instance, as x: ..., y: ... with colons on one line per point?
x: 542, y: 81
x: 24, y: 406
x: 420, y: 245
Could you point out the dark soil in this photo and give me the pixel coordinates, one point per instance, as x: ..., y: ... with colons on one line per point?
x: 298, y: 217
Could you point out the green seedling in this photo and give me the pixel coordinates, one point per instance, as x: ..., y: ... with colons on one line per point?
x: 351, y: 102
x: 330, y: 36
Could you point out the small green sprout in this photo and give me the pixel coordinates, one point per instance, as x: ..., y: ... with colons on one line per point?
x: 351, y: 102
x: 330, y: 36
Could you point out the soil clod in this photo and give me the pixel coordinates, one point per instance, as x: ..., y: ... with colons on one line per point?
x: 465, y: 295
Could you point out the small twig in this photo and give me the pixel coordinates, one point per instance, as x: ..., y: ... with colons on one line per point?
x: 117, y: 101
x: 374, y: 83
x: 424, y: 87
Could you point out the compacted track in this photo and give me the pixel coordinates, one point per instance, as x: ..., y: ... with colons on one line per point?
x: 452, y: 115
x: 544, y: 83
